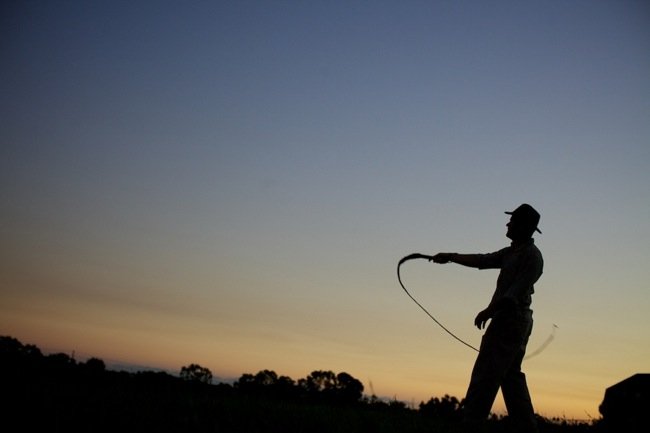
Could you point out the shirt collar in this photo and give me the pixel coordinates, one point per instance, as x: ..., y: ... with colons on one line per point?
x: 519, y: 244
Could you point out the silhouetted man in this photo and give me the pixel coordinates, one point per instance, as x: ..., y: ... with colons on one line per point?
x: 503, y: 346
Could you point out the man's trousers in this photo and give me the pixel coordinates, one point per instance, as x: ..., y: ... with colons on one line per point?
x: 498, y: 364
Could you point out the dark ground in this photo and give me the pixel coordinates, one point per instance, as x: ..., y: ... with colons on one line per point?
x: 54, y: 393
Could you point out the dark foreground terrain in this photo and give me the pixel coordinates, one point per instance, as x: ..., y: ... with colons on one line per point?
x: 55, y: 393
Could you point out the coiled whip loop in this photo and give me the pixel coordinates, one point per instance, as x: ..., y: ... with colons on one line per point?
x: 422, y: 256
x: 399, y: 278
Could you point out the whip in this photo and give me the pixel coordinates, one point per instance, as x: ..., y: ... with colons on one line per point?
x: 399, y: 278
x: 422, y: 256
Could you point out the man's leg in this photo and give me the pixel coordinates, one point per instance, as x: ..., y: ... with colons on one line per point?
x: 515, y: 392
x: 518, y: 402
x: 495, y: 357
x: 483, y: 388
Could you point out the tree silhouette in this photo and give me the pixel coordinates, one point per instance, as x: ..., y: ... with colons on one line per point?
x: 196, y: 373
x: 266, y: 378
x: 339, y: 388
x: 267, y: 382
x: 318, y: 381
x: 95, y: 365
x: 348, y: 389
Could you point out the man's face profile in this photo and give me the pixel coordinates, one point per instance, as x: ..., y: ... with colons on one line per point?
x: 517, y: 230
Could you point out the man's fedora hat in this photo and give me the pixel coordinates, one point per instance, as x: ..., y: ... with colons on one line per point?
x: 526, y: 215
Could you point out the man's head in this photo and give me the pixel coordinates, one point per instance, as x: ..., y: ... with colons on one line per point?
x: 523, y: 222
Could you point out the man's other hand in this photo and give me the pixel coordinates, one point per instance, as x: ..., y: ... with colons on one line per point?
x: 482, y: 318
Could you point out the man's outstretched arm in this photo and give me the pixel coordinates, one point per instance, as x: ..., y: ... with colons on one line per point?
x: 469, y: 260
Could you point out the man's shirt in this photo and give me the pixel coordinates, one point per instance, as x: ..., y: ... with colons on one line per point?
x: 521, y: 266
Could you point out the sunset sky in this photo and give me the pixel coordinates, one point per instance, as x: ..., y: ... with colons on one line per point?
x: 232, y: 183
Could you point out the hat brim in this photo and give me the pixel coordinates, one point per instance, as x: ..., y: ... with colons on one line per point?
x: 536, y: 229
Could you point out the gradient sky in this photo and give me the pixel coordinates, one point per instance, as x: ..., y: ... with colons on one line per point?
x: 232, y: 184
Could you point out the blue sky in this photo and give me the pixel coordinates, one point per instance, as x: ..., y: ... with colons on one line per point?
x: 228, y: 182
